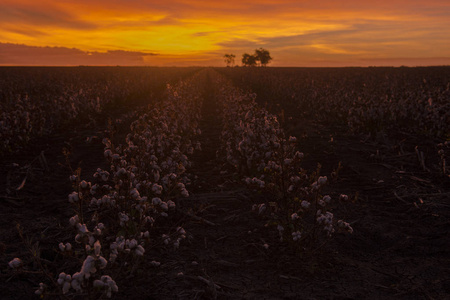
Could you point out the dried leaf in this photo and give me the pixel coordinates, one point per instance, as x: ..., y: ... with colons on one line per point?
x: 22, y: 184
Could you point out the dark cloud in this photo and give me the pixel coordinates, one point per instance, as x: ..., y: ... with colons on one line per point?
x: 25, y: 30
x: 40, y: 16
x: 15, y: 54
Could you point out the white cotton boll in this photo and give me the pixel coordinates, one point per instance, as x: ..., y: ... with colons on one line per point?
x: 105, y: 176
x: 343, y: 197
x: 77, y: 277
x: 140, y: 250
x: 73, y: 197
x: 149, y: 219
x: 171, y: 204
x: 85, y: 185
x: 280, y: 228
x: 266, y: 246
x: 287, y: 161
x: 88, y: 267
x: 296, y: 235
x: 76, y: 285
x: 157, y: 189
x: 103, y: 262
x: 132, y: 243
x: 327, y: 198
x: 164, y: 206
x: 344, y: 225
x: 135, y: 194
x: 290, y: 189
x: 123, y: 218
x: 184, y: 193
x: 121, y: 172
x: 41, y: 289
x: 180, y: 230
x: 299, y: 154
x: 82, y: 228
x: 320, y: 219
x: 261, y: 184
x: 78, y: 238
x: 155, y: 263
x: 322, y: 180
x: 321, y: 203
x: 107, y: 153
x: 294, y: 216
x: 68, y: 247
x: 305, y: 204
x: 61, y: 278
x: 74, y: 220
x: 61, y: 246
x: 164, y: 214
x: 292, y: 139
x: 15, y: 263
x: 156, y: 201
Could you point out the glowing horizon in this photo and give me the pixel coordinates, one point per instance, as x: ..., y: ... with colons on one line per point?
x: 199, y: 32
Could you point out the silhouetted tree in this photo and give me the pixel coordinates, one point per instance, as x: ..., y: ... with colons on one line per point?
x: 229, y: 59
x: 263, y: 56
x: 248, y: 60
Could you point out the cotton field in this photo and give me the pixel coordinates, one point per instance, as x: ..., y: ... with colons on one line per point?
x: 224, y: 183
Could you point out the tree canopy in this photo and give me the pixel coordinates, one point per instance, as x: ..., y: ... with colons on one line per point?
x: 229, y: 59
x: 248, y: 60
x: 261, y: 57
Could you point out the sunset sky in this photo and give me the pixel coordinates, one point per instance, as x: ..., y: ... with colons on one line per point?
x: 200, y: 32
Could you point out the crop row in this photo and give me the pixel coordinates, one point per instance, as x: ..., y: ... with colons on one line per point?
x: 126, y: 211
x: 255, y: 145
